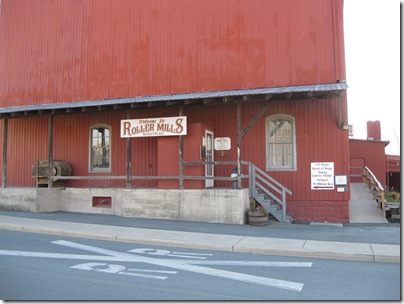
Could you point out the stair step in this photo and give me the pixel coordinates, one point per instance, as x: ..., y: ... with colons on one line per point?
x: 273, y: 207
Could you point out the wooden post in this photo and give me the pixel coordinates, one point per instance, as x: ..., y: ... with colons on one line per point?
x: 128, y: 159
x: 238, y: 145
x: 181, y: 156
x: 5, y: 139
x: 50, y: 152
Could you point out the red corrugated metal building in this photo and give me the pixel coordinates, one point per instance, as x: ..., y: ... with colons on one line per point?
x: 269, y: 75
x: 368, y: 152
x: 371, y: 153
x: 393, y: 172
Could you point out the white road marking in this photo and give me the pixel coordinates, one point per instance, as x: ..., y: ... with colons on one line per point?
x: 119, y: 269
x: 143, y: 275
x: 109, y: 268
x: 188, y: 255
x: 246, y: 263
x: 60, y: 256
x: 69, y: 256
x: 187, y: 267
x: 156, y: 271
x: 147, y: 275
x: 193, y: 253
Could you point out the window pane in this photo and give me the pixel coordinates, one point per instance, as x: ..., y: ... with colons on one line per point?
x: 280, y: 146
x: 280, y: 131
x: 100, y: 150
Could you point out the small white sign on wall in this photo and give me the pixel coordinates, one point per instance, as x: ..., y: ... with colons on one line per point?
x: 322, y: 176
x: 222, y: 143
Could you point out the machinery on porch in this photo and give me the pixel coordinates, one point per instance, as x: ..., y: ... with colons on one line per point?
x: 41, y: 170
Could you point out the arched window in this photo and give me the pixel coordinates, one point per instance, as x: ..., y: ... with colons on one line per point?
x: 100, y: 148
x: 280, y: 143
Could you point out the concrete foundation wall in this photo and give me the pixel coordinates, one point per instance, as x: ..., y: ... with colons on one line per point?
x: 18, y: 199
x: 214, y: 205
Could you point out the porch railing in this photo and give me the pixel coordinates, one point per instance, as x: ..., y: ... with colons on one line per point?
x: 375, y: 187
x: 162, y: 177
x: 269, y: 192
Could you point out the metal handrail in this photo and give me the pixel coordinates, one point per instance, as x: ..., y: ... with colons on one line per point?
x: 256, y: 175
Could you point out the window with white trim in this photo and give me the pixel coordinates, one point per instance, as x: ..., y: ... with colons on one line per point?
x: 280, y: 143
x: 100, y: 148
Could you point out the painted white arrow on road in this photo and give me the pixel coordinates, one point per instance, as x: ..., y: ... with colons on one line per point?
x: 107, y: 255
x: 188, y: 267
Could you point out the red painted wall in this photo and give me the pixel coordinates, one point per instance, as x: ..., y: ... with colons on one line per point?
x: 317, y: 139
x: 393, y: 163
x: 77, y: 50
x: 65, y: 51
x: 373, y: 130
x: 373, y: 154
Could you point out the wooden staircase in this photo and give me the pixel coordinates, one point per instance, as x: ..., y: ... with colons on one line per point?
x: 269, y: 193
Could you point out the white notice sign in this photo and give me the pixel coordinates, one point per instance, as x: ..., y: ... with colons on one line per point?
x: 322, y: 176
x: 222, y: 143
x: 148, y: 127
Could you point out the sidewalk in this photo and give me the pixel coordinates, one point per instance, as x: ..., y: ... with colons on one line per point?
x: 376, y: 242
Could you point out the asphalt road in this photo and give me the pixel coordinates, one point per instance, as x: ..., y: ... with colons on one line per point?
x: 46, y: 267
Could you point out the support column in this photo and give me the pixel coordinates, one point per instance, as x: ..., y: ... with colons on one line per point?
x: 50, y: 152
x: 4, y: 165
x: 128, y: 159
x: 238, y: 145
x: 181, y: 154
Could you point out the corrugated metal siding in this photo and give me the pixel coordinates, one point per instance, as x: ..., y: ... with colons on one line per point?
x: 373, y: 153
x: 317, y: 139
x: 61, y: 51
x: 27, y: 143
x: 1, y: 146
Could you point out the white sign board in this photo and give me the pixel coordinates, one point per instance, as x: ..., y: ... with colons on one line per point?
x: 222, y: 143
x: 341, y: 180
x: 322, y: 176
x: 149, y: 127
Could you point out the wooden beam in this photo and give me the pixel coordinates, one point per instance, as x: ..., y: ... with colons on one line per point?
x: 152, y: 104
x: 117, y: 106
x: 268, y: 96
x: 172, y: 102
x: 128, y: 158
x: 238, y: 145
x: 50, y: 151
x: 228, y: 98
x: 181, y: 153
x: 5, y: 140
x: 255, y: 119
x: 189, y: 101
